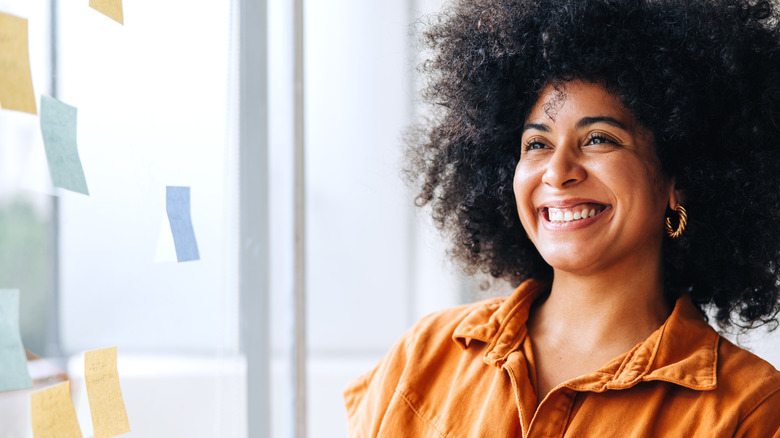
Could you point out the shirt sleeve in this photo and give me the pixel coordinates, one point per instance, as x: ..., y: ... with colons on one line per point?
x: 367, y: 397
x: 764, y: 420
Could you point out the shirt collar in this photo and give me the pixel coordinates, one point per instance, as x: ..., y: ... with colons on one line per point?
x: 684, y: 350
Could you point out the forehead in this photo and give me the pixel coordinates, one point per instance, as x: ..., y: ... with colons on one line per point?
x: 577, y: 99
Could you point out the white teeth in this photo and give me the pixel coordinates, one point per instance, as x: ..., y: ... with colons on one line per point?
x: 563, y: 215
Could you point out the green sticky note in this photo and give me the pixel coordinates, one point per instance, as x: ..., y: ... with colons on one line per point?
x: 58, y: 126
x: 13, y: 360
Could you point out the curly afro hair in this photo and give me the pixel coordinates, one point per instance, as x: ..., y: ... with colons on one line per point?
x: 703, y: 76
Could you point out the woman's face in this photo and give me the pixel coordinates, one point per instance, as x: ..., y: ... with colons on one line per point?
x: 588, y: 185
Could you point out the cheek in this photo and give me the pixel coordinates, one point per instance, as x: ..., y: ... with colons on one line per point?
x: 518, y: 185
x: 641, y: 186
x: 523, y: 187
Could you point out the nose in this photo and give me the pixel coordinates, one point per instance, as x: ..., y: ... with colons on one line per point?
x: 564, y: 169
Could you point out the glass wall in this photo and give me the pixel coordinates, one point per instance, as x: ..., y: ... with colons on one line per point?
x: 159, y: 103
x: 27, y: 260
x: 157, y: 100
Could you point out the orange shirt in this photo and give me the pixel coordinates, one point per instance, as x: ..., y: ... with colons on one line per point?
x: 469, y: 372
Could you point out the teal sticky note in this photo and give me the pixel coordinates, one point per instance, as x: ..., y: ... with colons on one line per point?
x: 13, y: 360
x: 58, y: 126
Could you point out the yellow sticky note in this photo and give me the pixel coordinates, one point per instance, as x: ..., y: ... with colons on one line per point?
x: 109, y: 417
x: 16, y: 88
x: 53, y: 414
x: 111, y: 8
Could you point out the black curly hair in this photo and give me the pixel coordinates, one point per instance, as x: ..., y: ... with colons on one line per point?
x: 703, y: 76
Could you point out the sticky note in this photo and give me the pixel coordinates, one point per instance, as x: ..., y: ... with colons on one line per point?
x: 13, y: 360
x: 110, y: 8
x: 16, y: 88
x: 58, y: 126
x: 109, y: 417
x: 178, y: 209
x: 53, y: 414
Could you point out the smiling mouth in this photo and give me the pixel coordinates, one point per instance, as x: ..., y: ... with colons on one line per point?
x: 571, y: 214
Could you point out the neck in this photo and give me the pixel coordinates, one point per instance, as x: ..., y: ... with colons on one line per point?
x: 613, y: 310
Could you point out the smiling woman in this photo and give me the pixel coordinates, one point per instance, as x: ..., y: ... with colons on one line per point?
x: 615, y: 160
x: 582, y: 151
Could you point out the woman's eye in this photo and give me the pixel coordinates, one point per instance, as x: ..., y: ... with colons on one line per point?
x: 534, y: 145
x: 600, y: 139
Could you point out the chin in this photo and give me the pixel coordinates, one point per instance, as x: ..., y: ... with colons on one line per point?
x: 570, y: 261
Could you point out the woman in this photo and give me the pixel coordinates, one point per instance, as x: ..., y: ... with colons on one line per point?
x: 620, y: 161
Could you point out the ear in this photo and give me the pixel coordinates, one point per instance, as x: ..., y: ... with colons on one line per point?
x: 675, y: 196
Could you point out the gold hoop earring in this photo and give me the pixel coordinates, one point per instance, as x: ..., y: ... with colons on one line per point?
x: 683, y: 221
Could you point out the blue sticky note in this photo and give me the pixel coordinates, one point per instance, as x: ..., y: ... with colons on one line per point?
x: 178, y: 209
x: 58, y: 126
x: 13, y: 360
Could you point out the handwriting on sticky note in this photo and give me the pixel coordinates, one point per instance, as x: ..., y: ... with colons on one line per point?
x: 58, y: 127
x: 53, y: 414
x: 109, y: 417
x: 110, y: 8
x: 13, y: 360
x: 16, y: 88
x: 178, y: 209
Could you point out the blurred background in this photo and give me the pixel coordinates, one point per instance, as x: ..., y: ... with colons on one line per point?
x: 210, y: 348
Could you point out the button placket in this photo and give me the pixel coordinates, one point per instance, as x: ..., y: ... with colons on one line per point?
x: 552, y: 415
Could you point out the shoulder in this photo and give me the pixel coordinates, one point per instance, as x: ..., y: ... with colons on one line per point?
x: 753, y: 386
x: 426, y: 346
x: 731, y: 355
x: 444, y: 323
x: 483, y: 321
x: 744, y: 371
x: 437, y: 329
x: 433, y: 338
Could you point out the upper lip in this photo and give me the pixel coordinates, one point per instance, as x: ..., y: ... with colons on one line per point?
x: 568, y: 203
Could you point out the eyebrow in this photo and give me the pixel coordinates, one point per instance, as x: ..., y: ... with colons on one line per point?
x: 537, y: 126
x: 583, y: 122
